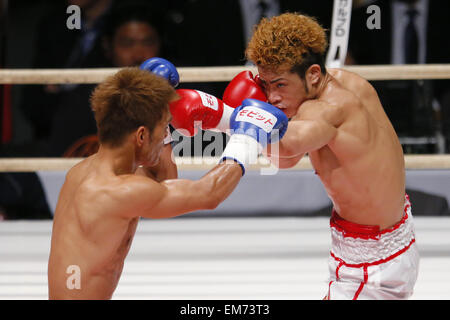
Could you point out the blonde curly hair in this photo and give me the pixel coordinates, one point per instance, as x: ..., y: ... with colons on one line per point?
x: 289, y: 41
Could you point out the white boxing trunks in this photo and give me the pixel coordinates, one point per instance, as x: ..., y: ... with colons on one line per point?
x: 366, y: 263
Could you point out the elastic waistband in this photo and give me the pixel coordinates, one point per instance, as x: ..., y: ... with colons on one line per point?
x: 351, y: 229
x: 354, y: 243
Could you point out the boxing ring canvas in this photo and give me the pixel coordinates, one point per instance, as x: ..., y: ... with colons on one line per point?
x: 218, y: 258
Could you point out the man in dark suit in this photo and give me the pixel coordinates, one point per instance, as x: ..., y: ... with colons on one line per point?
x: 215, y: 32
x: 374, y: 46
x: 411, y: 105
x: 60, y: 47
x: 132, y: 33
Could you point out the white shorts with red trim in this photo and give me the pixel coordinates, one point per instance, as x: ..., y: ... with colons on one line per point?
x: 366, y: 263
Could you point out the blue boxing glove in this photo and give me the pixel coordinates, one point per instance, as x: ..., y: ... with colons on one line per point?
x: 163, y: 68
x: 253, y: 125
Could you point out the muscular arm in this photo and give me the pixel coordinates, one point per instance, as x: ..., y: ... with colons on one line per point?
x: 312, y: 128
x: 174, y: 197
x: 304, y: 136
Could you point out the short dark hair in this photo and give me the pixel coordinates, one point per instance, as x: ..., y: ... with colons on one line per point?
x: 309, y: 58
x: 127, y: 100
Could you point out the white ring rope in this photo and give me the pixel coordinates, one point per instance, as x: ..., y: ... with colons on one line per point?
x: 208, y: 74
x: 199, y: 163
x: 212, y: 74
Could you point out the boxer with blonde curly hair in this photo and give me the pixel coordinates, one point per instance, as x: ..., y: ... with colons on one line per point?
x: 338, y: 120
x: 288, y: 41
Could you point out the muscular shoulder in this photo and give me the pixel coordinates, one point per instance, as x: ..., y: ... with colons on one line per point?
x: 354, y: 83
x: 333, y: 108
x: 136, y: 189
x: 126, y: 195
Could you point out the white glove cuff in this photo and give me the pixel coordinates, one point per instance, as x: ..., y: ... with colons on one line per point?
x: 243, y: 149
x: 224, y: 123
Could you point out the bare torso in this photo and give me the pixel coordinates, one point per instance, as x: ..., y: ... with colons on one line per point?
x: 87, y: 234
x: 99, y: 207
x: 362, y: 167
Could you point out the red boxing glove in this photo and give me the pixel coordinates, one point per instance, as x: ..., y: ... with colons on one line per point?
x: 196, y: 106
x: 243, y: 86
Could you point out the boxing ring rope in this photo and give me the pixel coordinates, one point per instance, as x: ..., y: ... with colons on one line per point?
x: 202, y: 163
x: 212, y: 74
x: 209, y: 74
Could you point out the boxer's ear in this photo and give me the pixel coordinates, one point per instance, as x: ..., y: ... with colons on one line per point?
x: 140, y: 136
x: 313, y: 74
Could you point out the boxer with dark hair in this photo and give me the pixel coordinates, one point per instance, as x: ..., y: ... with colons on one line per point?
x: 103, y: 198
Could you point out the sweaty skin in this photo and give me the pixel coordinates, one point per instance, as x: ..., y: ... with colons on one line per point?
x: 340, y: 122
x: 100, y: 204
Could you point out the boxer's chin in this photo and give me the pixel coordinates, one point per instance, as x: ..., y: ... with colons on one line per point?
x: 288, y: 112
x: 284, y: 110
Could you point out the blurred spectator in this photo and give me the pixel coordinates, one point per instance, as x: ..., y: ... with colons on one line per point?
x: 216, y: 32
x: 21, y: 193
x: 60, y: 47
x: 386, y: 45
x: 407, y: 36
x: 132, y: 34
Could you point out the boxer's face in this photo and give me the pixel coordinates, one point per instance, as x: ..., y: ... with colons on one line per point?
x: 153, y: 143
x: 284, y: 89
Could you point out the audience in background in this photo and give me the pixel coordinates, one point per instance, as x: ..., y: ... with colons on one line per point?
x: 132, y: 34
x: 21, y: 194
x: 407, y: 35
x: 60, y: 47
